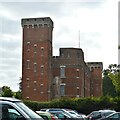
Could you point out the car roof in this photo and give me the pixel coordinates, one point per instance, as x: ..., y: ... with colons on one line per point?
x: 106, y: 110
x: 43, y: 112
x: 10, y: 99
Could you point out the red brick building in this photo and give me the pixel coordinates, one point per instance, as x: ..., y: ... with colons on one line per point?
x: 44, y: 76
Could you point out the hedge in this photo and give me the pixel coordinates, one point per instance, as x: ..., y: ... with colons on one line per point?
x: 82, y: 105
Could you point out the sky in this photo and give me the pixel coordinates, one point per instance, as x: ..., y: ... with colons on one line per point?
x: 91, y: 25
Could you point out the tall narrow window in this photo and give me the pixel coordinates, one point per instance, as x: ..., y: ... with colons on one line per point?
x: 28, y: 82
x: 62, y: 71
x: 28, y: 46
x: 77, y: 73
x: 35, y: 67
x: 42, y: 50
x: 35, y: 48
x: 28, y: 64
x: 62, y: 89
x: 35, y: 86
x: 41, y: 88
x: 42, y: 69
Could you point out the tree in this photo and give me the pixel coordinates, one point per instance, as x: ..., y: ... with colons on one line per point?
x: 6, y: 91
x: 18, y: 95
x: 114, y: 75
x: 108, y: 87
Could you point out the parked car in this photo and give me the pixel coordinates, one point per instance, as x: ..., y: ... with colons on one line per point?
x: 14, y: 109
x: 47, y: 115
x: 51, y: 110
x: 93, y: 113
x: 61, y: 115
x: 113, y: 116
x: 99, y: 114
x: 75, y: 113
x: 62, y: 112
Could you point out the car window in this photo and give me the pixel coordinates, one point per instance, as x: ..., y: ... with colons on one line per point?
x: 13, y: 114
x: 114, y: 116
x: 8, y: 112
x: 105, y: 114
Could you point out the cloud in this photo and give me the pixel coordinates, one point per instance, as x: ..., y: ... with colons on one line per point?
x: 96, y: 20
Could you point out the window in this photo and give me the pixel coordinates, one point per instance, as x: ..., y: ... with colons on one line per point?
x: 115, y: 116
x: 35, y: 48
x: 35, y: 86
x: 27, y: 79
x: 35, y: 67
x: 28, y: 84
x: 42, y: 50
x: 77, y: 73
x: 62, y: 89
x: 62, y: 71
x: 9, y: 112
x: 42, y: 69
x: 41, y: 88
x: 28, y: 64
x: 28, y: 46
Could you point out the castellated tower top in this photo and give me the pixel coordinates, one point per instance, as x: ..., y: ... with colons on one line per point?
x: 37, y: 22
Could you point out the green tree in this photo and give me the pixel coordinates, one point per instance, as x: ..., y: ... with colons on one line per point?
x: 108, y: 87
x: 6, y: 91
x: 18, y: 95
x: 114, y: 75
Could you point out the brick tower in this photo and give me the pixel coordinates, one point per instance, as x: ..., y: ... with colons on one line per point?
x: 36, y: 58
x: 96, y: 78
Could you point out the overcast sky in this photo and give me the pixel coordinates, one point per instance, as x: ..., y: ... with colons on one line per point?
x: 97, y: 21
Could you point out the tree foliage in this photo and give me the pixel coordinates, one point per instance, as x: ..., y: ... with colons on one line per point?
x: 6, y: 91
x: 113, y: 72
x: 18, y: 95
x: 114, y: 75
x: 108, y: 87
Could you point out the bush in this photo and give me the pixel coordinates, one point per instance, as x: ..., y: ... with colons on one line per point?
x: 82, y: 105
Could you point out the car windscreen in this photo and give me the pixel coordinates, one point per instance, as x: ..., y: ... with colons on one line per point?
x: 28, y: 111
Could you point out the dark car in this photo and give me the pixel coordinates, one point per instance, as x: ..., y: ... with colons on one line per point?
x: 14, y: 109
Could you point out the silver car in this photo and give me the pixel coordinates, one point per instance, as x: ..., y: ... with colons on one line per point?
x: 14, y: 109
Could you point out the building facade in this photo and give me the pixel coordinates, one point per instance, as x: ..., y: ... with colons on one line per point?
x: 44, y: 76
x: 36, y: 58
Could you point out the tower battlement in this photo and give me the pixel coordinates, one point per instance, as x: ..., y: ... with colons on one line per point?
x: 95, y: 65
x: 37, y: 21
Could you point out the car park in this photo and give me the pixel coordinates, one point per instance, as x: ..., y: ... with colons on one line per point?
x: 14, y: 109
